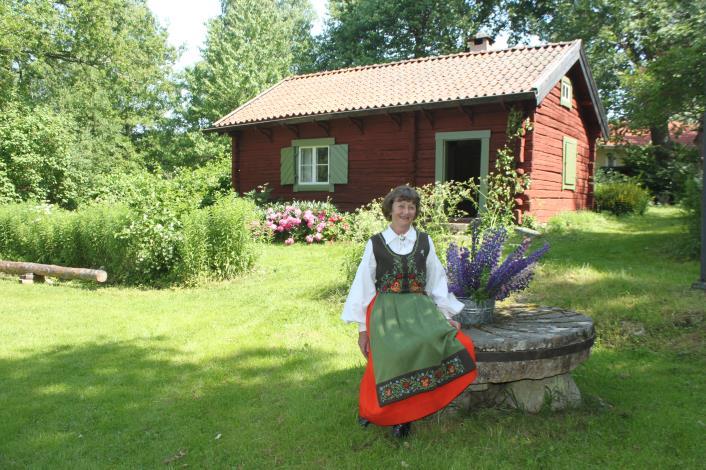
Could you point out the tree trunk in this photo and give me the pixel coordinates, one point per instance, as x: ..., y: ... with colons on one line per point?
x: 660, y: 139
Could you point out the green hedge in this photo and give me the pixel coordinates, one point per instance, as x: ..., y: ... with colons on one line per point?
x: 620, y: 198
x: 147, y: 245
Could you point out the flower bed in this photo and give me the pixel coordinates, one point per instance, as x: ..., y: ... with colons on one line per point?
x: 306, y: 221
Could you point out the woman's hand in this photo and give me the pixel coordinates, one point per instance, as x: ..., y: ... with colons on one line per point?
x: 364, y: 343
x: 455, y: 324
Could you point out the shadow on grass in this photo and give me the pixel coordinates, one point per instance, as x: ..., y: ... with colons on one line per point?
x: 131, y: 404
x: 138, y: 403
x: 336, y: 291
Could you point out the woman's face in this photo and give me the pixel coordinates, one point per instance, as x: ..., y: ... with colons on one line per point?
x: 403, y: 213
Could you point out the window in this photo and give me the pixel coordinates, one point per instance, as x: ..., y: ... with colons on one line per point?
x: 313, y: 165
x: 566, y: 92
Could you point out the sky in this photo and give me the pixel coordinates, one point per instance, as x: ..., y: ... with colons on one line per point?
x: 185, y: 21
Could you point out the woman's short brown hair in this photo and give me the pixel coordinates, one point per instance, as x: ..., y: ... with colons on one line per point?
x: 400, y: 193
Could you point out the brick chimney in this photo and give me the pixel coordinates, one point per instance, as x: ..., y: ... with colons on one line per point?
x: 481, y: 42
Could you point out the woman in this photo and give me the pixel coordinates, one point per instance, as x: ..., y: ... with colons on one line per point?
x: 418, y: 361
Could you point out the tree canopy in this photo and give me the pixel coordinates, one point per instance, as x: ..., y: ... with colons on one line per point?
x: 252, y: 45
x: 361, y: 32
x: 88, y: 88
x: 648, y: 57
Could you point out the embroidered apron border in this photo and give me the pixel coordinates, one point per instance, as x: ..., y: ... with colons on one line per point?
x: 424, y: 380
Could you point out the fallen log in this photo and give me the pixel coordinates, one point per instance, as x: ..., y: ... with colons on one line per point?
x: 51, y: 270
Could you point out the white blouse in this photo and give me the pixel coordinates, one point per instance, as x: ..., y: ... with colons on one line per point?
x: 363, y: 287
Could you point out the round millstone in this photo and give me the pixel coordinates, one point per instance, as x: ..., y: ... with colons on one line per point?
x: 530, y: 342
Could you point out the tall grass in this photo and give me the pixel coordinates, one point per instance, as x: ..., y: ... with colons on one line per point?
x: 135, y: 245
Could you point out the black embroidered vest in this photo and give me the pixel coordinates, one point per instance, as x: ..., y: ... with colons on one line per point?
x: 401, y: 274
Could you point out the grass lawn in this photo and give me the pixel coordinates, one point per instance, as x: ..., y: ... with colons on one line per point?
x: 260, y: 371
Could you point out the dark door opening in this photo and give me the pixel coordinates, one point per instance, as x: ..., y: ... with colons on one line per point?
x: 463, y: 164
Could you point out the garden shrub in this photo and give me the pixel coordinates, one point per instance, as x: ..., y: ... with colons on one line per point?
x: 184, y: 190
x: 36, y: 162
x: 621, y: 198
x: 231, y: 248
x: 152, y: 235
x: 665, y: 179
x: 351, y: 260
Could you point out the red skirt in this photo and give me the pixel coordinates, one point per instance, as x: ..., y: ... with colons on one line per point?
x: 416, y: 406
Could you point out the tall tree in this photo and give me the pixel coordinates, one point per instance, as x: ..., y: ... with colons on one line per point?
x: 648, y: 56
x: 103, y: 65
x: 250, y: 46
x: 361, y: 32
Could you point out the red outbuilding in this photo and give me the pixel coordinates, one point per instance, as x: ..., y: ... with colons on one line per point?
x: 352, y: 134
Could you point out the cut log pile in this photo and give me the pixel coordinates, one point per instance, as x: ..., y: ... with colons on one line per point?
x: 35, y: 272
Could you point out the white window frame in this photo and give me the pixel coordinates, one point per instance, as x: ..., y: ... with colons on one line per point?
x: 567, y: 90
x: 314, y: 154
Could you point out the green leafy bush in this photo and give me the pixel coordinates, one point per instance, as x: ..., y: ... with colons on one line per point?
x: 665, y: 179
x: 36, y: 163
x: 184, y: 190
x: 621, y: 198
x: 50, y: 235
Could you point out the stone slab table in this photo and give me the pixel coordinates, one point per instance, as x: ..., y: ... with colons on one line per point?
x: 525, y: 357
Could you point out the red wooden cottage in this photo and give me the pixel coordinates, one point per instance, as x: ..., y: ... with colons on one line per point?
x: 353, y: 134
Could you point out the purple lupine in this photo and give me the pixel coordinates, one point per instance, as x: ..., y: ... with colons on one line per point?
x: 517, y: 283
x: 476, y: 273
x: 487, y: 257
x: 503, y: 272
x: 454, y: 269
x: 512, y: 273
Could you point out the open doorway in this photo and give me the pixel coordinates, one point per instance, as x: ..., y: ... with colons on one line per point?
x: 463, y: 162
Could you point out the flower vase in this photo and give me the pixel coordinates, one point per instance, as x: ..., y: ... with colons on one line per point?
x: 475, y: 313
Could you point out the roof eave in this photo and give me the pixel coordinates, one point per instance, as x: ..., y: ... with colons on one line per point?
x: 548, y: 80
x: 509, y: 98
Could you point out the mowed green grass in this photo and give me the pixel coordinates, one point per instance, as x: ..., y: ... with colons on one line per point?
x: 260, y: 372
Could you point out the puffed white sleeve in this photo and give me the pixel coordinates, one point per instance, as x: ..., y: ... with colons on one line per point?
x: 362, y: 290
x: 437, y: 288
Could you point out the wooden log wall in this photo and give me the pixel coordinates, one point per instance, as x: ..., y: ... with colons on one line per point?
x: 544, y: 153
x: 383, y: 152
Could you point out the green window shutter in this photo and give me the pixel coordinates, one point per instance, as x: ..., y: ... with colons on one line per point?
x: 570, y: 154
x: 338, y: 164
x: 286, y: 165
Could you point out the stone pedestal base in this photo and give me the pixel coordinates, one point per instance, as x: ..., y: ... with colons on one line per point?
x: 558, y: 392
x: 525, y: 359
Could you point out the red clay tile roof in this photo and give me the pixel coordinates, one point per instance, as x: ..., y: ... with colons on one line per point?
x: 679, y: 132
x: 458, y: 77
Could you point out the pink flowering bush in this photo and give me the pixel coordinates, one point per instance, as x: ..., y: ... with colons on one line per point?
x: 306, y: 221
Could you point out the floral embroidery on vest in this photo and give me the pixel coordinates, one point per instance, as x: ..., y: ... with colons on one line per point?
x: 401, y: 273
